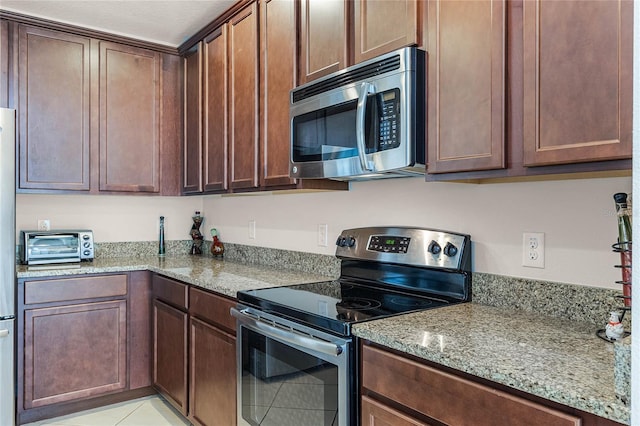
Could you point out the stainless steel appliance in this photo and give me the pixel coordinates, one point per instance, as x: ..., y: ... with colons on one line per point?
x: 363, y: 122
x: 7, y: 265
x: 61, y: 246
x: 297, y: 360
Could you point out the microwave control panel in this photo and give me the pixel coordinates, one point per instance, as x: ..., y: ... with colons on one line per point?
x: 389, y: 119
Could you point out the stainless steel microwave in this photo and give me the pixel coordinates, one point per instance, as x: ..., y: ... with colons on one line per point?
x: 366, y: 121
x: 61, y: 246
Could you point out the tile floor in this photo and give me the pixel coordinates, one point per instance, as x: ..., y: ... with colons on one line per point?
x: 147, y: 411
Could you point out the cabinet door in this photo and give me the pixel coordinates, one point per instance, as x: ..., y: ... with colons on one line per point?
x: 53, y: 109
x: 466, y: 88
x: 377, y: 414
x: 278, y: 77
x: 212, y: 390
x: 74, y: 352
x: 216, y: 112
x: 383, y: 26
x: 577, y: 81
x: 243, y: 98
x: 170, y: 354
x: 192, y: 156
x: 129, y: 118
x: 324, y: 38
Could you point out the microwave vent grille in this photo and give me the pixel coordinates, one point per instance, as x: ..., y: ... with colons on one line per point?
x: 348, y: 77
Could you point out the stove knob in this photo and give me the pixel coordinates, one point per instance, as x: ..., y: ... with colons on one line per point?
x: 434, y: 247
x: 450, y: 250
x: 351, y: 241
x: 341, y: 241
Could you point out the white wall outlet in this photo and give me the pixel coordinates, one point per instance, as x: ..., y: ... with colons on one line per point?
x: 252, y: 229
x: 533, y: 249
x: 44, y: 225
x: 323, y: 232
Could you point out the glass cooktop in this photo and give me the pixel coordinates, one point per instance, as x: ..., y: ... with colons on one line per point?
x: 335, y: 305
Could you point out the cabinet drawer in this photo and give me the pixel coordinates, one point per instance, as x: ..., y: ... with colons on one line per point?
x: 448, y: 398
x: 171, y: 291
x: 47, y: 291
x: 212, y: 308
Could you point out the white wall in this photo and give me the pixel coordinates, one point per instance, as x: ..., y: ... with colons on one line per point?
x: 577, y: 217
x: 112, y: 218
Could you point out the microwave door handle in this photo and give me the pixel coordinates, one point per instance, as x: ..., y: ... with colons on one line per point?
x: 361, y: 113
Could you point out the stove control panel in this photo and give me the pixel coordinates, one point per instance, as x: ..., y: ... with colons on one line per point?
x: 388, y: 244
x: 408, y: 246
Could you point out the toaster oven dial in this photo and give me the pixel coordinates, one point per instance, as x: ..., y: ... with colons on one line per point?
x: 85, y: 237
x: 86, y: 252
x: 87, y: 244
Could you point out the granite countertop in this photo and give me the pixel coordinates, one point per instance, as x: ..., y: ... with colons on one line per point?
x: 544, y: 356
x: 221, y: 276
x: 562, y: 361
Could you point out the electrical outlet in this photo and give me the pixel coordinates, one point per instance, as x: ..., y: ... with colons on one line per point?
x: 533, y: 249
x: 323, y: 231
x: 252, y: 229
x: 44, y: 225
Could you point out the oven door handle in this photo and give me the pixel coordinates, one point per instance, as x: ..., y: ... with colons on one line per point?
x: 251, y: 321
x: 361, y: 113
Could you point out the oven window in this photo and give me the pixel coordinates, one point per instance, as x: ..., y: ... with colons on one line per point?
x: 284, y: 386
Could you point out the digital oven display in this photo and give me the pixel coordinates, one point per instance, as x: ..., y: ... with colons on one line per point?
x: 388, y: 244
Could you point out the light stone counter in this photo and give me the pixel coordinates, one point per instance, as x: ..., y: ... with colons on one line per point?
x: 221, y: 276
x: 541, y: 355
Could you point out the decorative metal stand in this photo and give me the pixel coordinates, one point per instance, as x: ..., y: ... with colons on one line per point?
x: 196, y: 235
x: 625, y: 250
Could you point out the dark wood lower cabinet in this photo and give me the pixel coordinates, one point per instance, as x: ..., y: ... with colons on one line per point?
x: 400, y: 390
x: 193, y: 328
x: 212, y: 388
x: 375, y: 413
x: 170, y: 354
x: 74, y: 351
x: 82, y: 342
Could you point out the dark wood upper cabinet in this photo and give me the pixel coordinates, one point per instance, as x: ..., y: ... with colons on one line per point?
x: 89, y: 113
x: 192, y: 155
x: 216, y: 111
x: 53, y: 109
x: 577, y: 81
x: 383, y: 26
x: 324, y: 38
x: 129, y: 118
x: 466, y: 85
x: 566, y: 93
x: 277, y: 77
x: 243, y: 99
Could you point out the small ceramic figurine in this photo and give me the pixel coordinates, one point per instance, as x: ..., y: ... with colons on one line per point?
x: 217, y: 248
x: 614, y: 328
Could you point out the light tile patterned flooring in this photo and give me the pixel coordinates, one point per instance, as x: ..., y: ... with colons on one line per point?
x: 147, y: 411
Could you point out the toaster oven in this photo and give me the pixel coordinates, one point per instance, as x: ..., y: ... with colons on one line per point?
x: 62, y: 246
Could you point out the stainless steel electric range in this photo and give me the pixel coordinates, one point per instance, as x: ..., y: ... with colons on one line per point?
x: 297, y: 361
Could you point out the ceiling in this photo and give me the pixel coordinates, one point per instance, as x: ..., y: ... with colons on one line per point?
x: 167, y: 22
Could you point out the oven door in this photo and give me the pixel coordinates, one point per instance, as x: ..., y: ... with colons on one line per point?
x: 289, y: 374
